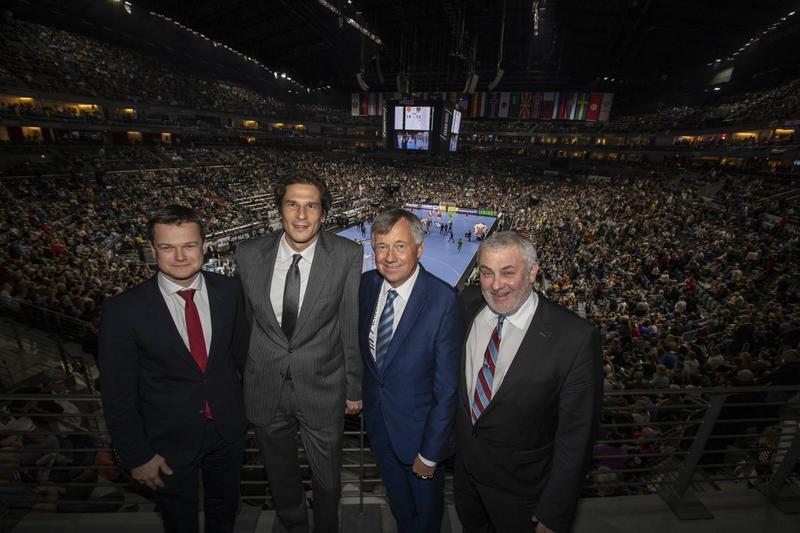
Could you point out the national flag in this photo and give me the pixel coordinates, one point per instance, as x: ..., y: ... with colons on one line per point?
x: 379, y: 104
x: 582, y: 106
x: 372, y: 104
x: 536, y: 105
x: 605, y: 107
x: 364, y: 104
x: 494, y: 104
x: 505, y: 98
x: 573, y: 106
x: 514, y: 105
x: 525, y: 105
x: 355, y: 105
x: 473, y: 105
x: 483, y: 104
x: 548, y: 106
x: 565, y: 105
x: 594, y: 107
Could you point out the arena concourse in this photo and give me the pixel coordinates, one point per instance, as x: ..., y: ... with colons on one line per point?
x: 666, y: 214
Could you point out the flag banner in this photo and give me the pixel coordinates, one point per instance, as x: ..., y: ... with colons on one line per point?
x: 605, y: 107
x: 514, y: 105
x: 582, y: 106
x: 355, y: 106
x: 494, y: 105
x: 573, y: 106
x: 372, y: 104
x: 483, y: 104
x: 536, y: 104
x: 593, y: 113
x: 525, y: 105
x: 548, y: 106
x: 364, y: 101
x: 505, y: 99
x: 379, y: 104
x: 565, y: 105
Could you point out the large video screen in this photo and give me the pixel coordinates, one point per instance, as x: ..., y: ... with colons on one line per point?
x: 456, y: 122
x: 412, y: 140
x: 416, y: 118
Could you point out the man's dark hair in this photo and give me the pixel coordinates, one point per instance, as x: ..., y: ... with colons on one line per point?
x: 175, y: 215
x: 303, y: 178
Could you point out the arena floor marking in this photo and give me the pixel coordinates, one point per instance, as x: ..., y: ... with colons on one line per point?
x: 440, y: 257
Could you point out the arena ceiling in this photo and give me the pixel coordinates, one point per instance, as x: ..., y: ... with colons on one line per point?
x: 578, y: 43
x: 614, y: 45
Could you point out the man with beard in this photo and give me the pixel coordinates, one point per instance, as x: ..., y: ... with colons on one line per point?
x: 530, y: 390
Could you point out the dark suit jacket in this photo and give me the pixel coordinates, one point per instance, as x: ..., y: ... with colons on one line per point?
x: 536, y: 435
x: 415, y: 391
x: 322, y: 354
x: 153, y: 391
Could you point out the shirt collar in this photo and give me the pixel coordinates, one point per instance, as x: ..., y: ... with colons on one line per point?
x: 404, y: 290
x: 521, y: 319
x: 170, y: 287
x: 285, y: 252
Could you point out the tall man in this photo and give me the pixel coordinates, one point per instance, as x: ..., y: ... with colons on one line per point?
x: 171, y: 389
x: 410, y: 332
x: 529, y: 399
x: 303, y: 368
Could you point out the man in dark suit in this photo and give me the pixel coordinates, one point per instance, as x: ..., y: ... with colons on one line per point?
x: 303, y: 369
x: 529, y: 402
x: 171, y: 389
x: 410, y: 333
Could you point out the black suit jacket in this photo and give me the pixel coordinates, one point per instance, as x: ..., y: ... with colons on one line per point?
x: 535, y: 437
x: 153, y: 391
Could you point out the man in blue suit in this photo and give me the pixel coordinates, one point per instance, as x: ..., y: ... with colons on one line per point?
x: 410, y: 332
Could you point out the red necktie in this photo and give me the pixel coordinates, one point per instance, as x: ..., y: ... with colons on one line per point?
x: 197, y: 341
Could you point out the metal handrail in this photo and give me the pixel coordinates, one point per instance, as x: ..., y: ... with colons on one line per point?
x: 688, y: 455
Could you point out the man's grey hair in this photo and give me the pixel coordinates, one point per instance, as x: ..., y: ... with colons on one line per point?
x: 504, y: 239
x: 384, y: 223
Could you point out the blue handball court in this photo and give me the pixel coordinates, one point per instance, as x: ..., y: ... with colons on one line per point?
x: 440, y: 256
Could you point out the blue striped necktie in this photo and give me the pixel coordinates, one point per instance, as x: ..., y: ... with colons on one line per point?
x: 385, y: 326
x: 483, y: 384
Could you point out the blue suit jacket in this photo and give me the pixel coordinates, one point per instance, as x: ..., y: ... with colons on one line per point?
x: 415, y: 393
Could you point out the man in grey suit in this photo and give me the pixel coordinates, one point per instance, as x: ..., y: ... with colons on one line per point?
x: 303, y: 368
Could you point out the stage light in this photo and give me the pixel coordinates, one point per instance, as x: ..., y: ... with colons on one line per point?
x: 716, y: 88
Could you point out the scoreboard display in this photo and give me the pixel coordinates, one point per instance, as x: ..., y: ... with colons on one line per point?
x: 430, y: 126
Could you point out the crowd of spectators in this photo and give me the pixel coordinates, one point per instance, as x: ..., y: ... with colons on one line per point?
x: 691, y: 277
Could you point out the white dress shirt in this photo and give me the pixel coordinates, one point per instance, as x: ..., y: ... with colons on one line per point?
x: 177, y: 306
x: 282, y: 263
x: 514, y: 328
x: 400, y: 301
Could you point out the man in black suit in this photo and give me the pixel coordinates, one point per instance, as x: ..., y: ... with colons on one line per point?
x: 171, y: 389
x: 529, y: 403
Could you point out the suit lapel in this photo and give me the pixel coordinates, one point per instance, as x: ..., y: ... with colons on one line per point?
x: 365, y: 319
x: 415, y: 304
x: 462, y: 376
x: 320, y: 268
x: 158, y: 313
x: 269, y: 253
x: 215, y: 304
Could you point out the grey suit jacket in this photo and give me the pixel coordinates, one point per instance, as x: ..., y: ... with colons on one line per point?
x: 323, y: 353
